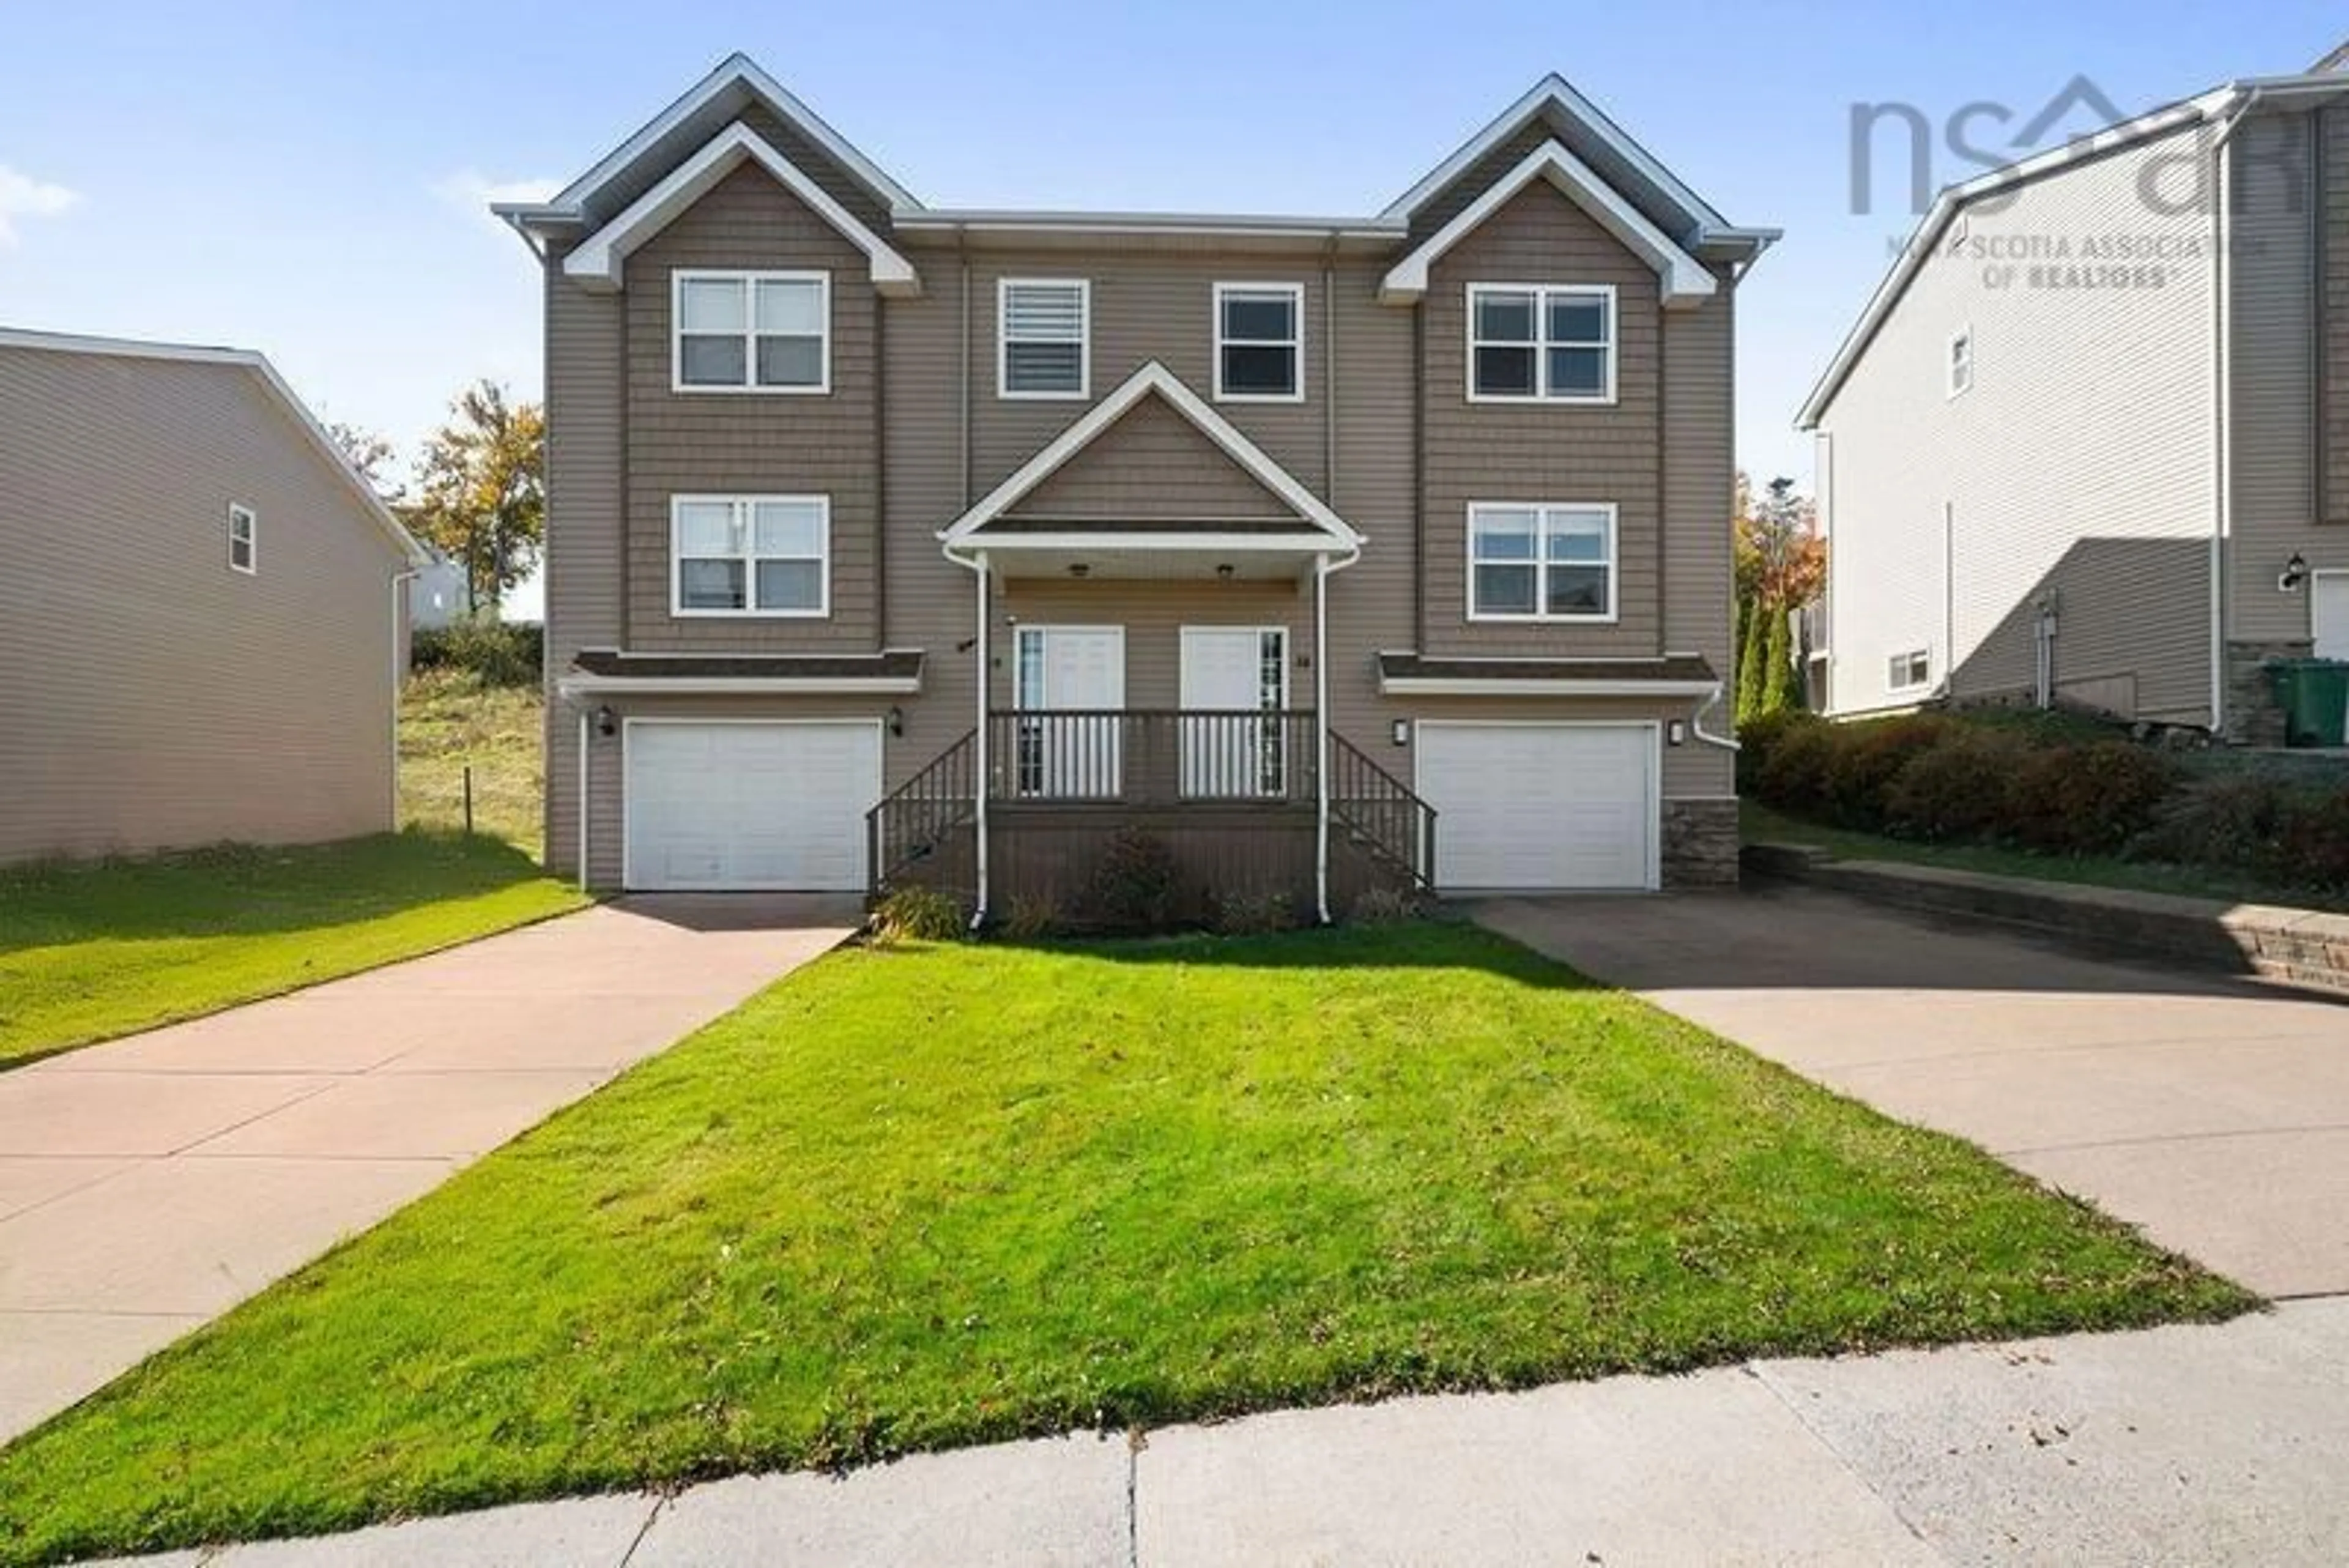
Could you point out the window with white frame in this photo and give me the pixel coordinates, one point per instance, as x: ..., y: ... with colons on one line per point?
x: 751, y: 554
x: 1260, y: 342
x: 243, y: 539
x: 1962, y: 361
x: 1043, y: 330
x: 1532, y: 343
x: 1908, y: 670
x: 752, y: 331
x: 1541, y: 562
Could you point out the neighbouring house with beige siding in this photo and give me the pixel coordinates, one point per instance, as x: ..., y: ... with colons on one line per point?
x: 888, y: 544
x: 200, y: 616
x: 2085, y: 445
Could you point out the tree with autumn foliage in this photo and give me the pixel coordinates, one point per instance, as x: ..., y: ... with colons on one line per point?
x: 1782, y: 566
x: 481, y: 492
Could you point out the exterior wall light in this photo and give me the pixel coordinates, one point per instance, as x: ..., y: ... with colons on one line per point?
x: 896, y: 721
x: 2295, y: 572
x: 1399, y: 732
x: 607, y: 724
x: 1676, y: 732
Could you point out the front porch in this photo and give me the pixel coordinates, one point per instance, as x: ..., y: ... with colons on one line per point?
x: 1033, y: 803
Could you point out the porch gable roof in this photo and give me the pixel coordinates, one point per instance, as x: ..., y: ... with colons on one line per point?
x: 985, y: 520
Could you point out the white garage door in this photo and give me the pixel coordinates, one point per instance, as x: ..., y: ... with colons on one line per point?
x: 742, y: 807
x: 1541, y: 805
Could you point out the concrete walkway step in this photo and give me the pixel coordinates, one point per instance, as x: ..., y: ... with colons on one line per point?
x: 2193, y: 1444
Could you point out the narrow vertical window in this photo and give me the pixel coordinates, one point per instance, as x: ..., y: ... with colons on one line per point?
x: 243, y: 539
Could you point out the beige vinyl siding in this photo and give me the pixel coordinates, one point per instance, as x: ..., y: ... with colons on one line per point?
x: 1700, y: 484
x: 155, y: 698
x: 587, y: 388
x: 737, y: 444
x: 2081, y: 463
x: 1542, y: 452
x: 2274, y: 320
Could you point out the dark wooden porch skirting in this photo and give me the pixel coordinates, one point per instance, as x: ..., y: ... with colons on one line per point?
x: 2303, y: 947
x: 1045, y: 854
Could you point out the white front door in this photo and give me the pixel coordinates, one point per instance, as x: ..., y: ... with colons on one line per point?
x: 1231, y: 673
x: 725, y: 807
x: 1077, y: 675
x: 1541, y: 805
x: 2328, y: 614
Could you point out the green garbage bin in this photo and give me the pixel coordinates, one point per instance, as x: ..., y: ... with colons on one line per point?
x: 2314, y: 696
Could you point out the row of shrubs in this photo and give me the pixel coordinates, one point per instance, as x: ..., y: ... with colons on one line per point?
x: 494, y: 652
x: 1947, y: 778
x: 1138, y: 887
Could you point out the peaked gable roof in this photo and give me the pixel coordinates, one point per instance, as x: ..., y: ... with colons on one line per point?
x: 599, y: 261
x: 670, y: 137
x: 257, y: 365
x: 1610, y: 155
x: 1686, y: 281
x: 1153, y: 379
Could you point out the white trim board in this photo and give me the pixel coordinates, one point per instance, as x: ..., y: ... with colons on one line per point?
x: 1685, y: 281
x: 599, y: 261
x: 1151, y: 379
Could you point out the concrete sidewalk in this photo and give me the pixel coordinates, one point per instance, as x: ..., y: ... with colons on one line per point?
x: 148, y: 1185
x: 2209, y: 1444
x: 2213, y: 1112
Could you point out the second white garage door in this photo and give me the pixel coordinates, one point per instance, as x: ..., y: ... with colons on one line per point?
x: 752, y: 806
x: 1541, y: 805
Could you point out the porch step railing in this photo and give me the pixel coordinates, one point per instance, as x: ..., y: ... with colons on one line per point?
x: 1381, y: 813
x: 914, y: 818
x: 1145, y: 757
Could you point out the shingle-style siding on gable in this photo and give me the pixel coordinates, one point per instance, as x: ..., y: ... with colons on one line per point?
x: 2081, y: 463
x: 742, y: 443
x: 1478, y: 451
x: 1152, y: 465
x: 155, y: 698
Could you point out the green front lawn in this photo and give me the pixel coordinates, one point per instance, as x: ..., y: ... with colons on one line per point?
x: 94, y: 950
x: 914, y: 1198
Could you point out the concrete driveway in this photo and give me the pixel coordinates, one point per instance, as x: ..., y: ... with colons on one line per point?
x: 150, y: 1184
x: 2214, y: 1113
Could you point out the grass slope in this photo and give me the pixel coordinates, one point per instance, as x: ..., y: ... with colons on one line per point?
x: 448, y: 722
x: 93, y: 950
x: 1760, y: 824
x: 933, y: 1195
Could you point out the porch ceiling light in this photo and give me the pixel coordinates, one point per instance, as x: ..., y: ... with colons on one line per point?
x: 1079, y: 569
x: 1224, y: 571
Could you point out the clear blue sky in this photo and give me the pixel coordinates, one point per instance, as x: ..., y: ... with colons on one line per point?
x: 308, y: 179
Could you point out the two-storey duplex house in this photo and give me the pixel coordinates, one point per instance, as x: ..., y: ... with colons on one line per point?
x: 2085, y: 445
x: 892, y: 542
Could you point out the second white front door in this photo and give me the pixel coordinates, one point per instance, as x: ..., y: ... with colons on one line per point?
x: 1231, y: 673
x: 1076, y: 675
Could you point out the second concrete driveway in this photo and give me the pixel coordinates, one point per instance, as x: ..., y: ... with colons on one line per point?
x: 150, y: 1184
x: 2213, y: 1113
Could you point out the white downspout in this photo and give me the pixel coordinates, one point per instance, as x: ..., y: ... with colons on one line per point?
x: 1696, y: 720
x: 2223, y: 521
x: 583, y: 734
x: 399, y: 678
x: 1322, y: 569
x: 980, y: 787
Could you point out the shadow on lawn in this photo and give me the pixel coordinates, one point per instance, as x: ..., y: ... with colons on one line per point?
x: 1441, y: 943
x: 249, y: 889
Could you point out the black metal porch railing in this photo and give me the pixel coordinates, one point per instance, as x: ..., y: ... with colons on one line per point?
x: 910, y: 820
x: 1145, y: 757
x: 1381, y: 812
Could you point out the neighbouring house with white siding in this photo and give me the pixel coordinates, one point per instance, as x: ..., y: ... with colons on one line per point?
x: 2082, y: 445
x: 199, y: 618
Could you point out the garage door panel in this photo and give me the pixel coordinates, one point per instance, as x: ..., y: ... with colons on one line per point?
x: 750, y: 806
x: 1540, y: 805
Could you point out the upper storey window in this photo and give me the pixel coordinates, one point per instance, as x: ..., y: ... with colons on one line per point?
x: 1044, y: 327
x: 752, y: 331
x: 1259, y: 342
x: 1533, y: 343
